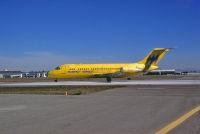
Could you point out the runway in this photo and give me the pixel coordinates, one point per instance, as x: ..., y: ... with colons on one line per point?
x: 135, y: 109
x: 93, y: 83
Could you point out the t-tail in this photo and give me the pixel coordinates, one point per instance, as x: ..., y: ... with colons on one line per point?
x: 153, y: 58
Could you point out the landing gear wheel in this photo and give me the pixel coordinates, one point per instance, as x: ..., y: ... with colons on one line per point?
x: 56, y: 80
x: 109, y: 79
x: 128, y: 78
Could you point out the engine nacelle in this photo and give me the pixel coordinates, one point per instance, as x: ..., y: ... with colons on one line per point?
x: 128, y: 70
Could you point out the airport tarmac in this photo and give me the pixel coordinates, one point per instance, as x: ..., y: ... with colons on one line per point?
x: 93, y: 83
x: 136, y: 109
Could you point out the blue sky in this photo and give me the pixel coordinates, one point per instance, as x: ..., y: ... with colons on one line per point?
x: 39, y: 34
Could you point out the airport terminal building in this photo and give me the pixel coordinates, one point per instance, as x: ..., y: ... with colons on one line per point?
x: 20, y: 74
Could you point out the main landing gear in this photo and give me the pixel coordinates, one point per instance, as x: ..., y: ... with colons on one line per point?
x: 109, y: 79
x: 56, y: 80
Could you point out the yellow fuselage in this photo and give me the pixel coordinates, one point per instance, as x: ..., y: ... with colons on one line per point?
x: 109, y: 70
x: 96, y: 70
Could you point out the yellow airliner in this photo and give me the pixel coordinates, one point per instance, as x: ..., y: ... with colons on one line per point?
x: 109, y: 71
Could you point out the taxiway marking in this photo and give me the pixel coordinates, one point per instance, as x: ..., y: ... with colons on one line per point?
x: 179, y: 121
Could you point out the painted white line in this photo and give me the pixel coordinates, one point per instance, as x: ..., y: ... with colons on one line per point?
x: 13, y: 108
x: 88, y: 83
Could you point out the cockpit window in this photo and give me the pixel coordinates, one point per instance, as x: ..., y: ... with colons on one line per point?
x: 57, y: 68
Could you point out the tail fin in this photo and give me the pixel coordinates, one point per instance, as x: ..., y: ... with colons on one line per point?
x: 153, y: 58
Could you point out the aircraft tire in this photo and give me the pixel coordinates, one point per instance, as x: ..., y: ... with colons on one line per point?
x: 109, y: 79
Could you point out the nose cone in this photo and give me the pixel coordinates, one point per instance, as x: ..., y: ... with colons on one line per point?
x: 50, y: 74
